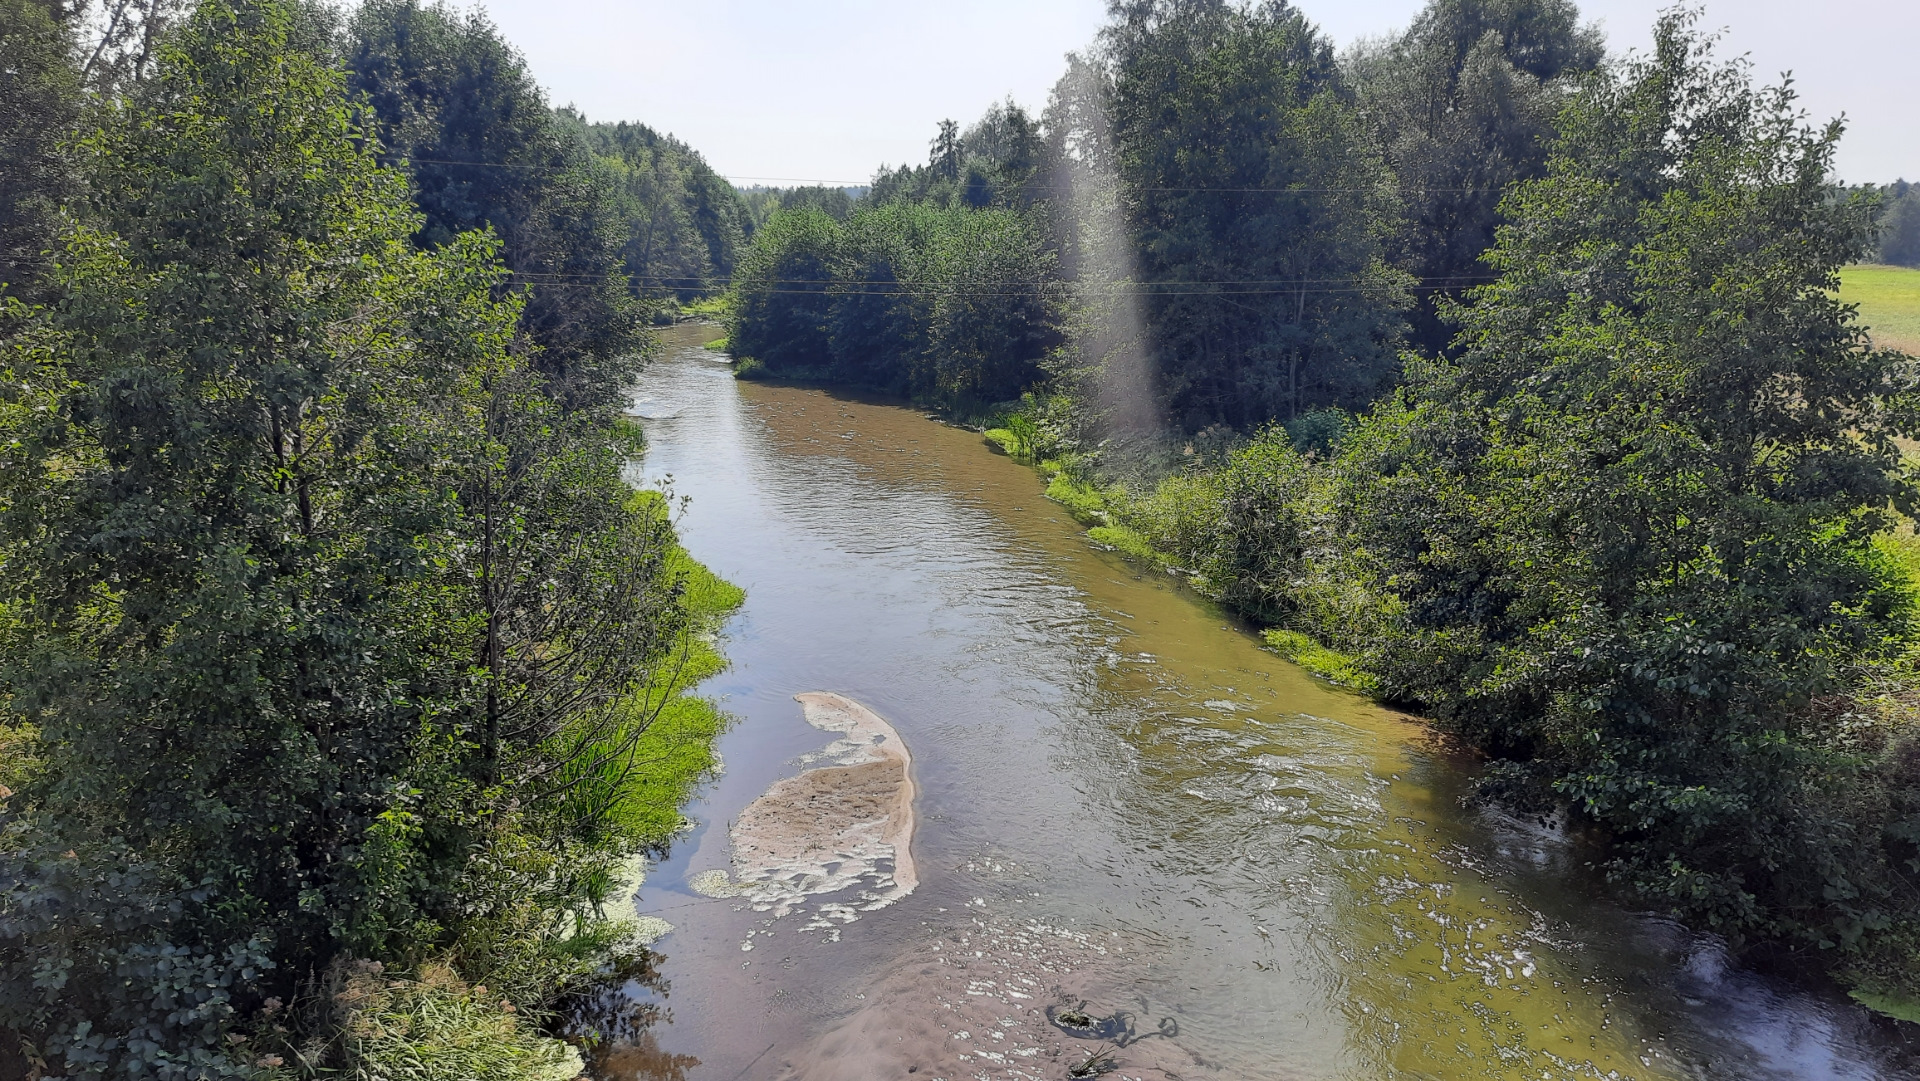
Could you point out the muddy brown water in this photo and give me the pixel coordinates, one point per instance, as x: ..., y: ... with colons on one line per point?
x: 1129, y: 814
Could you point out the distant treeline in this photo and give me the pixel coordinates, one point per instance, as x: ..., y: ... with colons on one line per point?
x: 1900, y: 224
x: 1495, y: 376
x: 457, y: 103
x: 1207, y: 160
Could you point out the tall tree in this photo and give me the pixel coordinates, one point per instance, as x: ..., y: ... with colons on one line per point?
x: 944, y: 151
x: 685, y: 224
x: 1257, y: 210
x: 455, y: 102
x: 40, y: 101
x: 1628, y: 537
x: 782, y: 309
x: 320, y: 603
x: 1900, y: 225
x: 1462, y: 105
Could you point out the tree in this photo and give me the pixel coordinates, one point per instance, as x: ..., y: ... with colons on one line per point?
x: 882, y: 308
x: 685, y: 224
x: 1900, y: 225
x: 1257, y: 212
x: 323, y: 608
x: 945, y: 156
x: 40, y: 103
x: 782, y: 310
x: 452, y: 100
x: 951, y: 305
x: 1625, y: 543
x: 1462, y: 105
x: 996, y: 300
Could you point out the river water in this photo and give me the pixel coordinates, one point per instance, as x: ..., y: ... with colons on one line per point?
x: 1126, y: 809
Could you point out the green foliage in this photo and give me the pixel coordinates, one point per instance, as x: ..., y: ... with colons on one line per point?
x: 1462, y: 105
x: 40, y: 103
x: 713, y: 307
x: 1178, y: 517
x: 1128, y: 541
x: 454, y: 102
x: 436, y: 1027
x: 955, y: 307
x: 1328, y: 664
x: 781, y: 311
x: 1257, y: 212
x: 324, y: 599
x: 1901, y: 1007
x: 1318, y: 432
x: 1633, y: 543
x: 684, y: 224
x: 660, y: 744
x: 1085, y: 502
x: 1900, y: 225
x: 1629, y: 536
x: 999, y: 161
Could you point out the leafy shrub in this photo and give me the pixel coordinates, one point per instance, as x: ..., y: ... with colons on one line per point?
x: 1318, y: 432
x: 1180, y: 516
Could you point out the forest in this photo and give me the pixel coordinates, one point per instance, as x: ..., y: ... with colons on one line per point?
x: 343, y: 673
x: 346, y: 677
x: 1489, y: 375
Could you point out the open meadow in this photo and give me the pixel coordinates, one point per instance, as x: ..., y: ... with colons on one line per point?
x: 1889, y: 299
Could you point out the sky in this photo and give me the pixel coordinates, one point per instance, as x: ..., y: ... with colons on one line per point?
x: 825, y: 91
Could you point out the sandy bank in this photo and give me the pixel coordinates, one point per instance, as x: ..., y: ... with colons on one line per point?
x: 844, y: 824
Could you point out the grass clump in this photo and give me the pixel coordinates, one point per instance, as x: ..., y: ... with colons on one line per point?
x: 713, y: 307
x: 1086, y: 503
x: 1900, y: 1007
x: 1330, y: 665
x: 434, y: 1026
x: 1004, y: 441
x: 1127, y: 541
x: 676, y: 752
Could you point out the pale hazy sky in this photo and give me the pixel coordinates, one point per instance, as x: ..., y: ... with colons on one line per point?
x: 826, y: 90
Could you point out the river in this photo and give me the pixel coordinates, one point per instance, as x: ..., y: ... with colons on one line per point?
x: 1127, y: 809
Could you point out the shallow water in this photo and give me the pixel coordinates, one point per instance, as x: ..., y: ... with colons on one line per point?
x: 1126, y: 807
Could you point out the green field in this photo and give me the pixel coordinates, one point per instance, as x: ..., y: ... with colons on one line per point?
x: 1889, y: 299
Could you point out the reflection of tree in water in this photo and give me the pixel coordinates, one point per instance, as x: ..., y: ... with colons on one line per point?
x: 611, y: 1020
x: 643, y: 1060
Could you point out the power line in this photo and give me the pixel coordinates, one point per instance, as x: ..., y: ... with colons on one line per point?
x: 1030, y: 292
x: 811, y: 182
x: 543, y: 278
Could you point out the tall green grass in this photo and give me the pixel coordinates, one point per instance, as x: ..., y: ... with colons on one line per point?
x: 434, y: 1026
x: 676, y: 752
